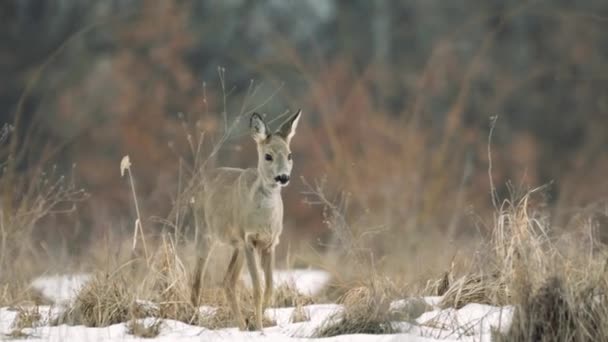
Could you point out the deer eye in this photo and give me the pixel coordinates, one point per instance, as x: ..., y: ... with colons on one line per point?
x: 289, y: 156
x: 268, y: 157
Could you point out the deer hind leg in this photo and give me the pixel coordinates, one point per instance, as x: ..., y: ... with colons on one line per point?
x: 267, y: 256
x: 232, y: 275
x: 250, y: 251
x: 196, y: 281
x: 199, y: 271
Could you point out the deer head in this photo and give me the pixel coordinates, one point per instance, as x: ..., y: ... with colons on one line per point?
x: 274, y: 155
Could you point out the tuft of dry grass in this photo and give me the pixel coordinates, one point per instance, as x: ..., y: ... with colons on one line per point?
x: 559, y: 293
x: 558, y: 311
x: 27, y: 317
x: 18, y: 293
x: 287, y: 296
x: 366, y: 311
x: 220, y: 316
x: 144, y: 329
x: 103, y: 301
x: 475, y: 288
x: 17, y: 334
x: 170, y: 286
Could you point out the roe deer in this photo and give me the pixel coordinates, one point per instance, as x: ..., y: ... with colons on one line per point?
x: 243, y: 208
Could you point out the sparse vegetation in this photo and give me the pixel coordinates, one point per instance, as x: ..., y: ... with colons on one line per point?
x: 287, y: 295
x: 27, y: 317
x: 145, y: 329
x: 366, y: 311
x: 395, y: 141
x: 105, y: 300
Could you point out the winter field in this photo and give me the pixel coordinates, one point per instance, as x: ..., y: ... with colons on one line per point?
x: 427, y: 321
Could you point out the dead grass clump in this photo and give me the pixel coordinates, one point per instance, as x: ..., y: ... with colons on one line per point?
x: 21, y: 294
x: 172, y: 296
x: 27, y: 317
x: 104, y: 301
x: 217, y: 318
x: 143, y: 328
x: 179, y: 309
x: 519, y: 256
x: 366, y: 311
x: 546, y: 316
x: 221, y: 317
x: 218, y: 314
x: 168, y: 285
x: 475, y: 288
x: 334, y: 290
x: 287, y: 296
x: 559, y: 294
x: 561, y: 310
x: 17, y: 334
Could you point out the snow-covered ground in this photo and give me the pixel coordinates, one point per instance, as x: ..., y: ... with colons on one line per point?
x: 474, y: 322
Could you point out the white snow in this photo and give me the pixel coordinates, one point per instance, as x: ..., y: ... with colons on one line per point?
x: 473, y: 322
x: 307, y: 282
x: 62, y: 288
x: 470, y: 320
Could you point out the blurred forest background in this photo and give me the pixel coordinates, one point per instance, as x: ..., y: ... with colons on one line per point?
x: 398, y: 99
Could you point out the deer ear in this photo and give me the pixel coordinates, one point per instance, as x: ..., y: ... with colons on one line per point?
x: 259, y: 129
x: 288, y: 129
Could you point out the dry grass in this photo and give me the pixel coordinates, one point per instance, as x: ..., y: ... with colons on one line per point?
x: 27, y: 317
x: 366, y: 311
x: 475, y: 288
x: 558, y: 292
x: 288, y: 296
x: 144, y: 329
x: 220, y: 315
x: 17, y: 334
x: 169, y: 285
x: 103, y: 301
x: 558, y: 311
x: 20, y: 293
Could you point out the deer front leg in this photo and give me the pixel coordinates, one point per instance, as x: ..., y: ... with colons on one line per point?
x: 268, y: 266
x: 255, y: 281
x: 232, y: 275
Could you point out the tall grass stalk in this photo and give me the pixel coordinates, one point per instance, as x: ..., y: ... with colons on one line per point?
x: 125, y: 167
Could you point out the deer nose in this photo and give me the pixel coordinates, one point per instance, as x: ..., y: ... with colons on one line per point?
x: 283, y: 179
